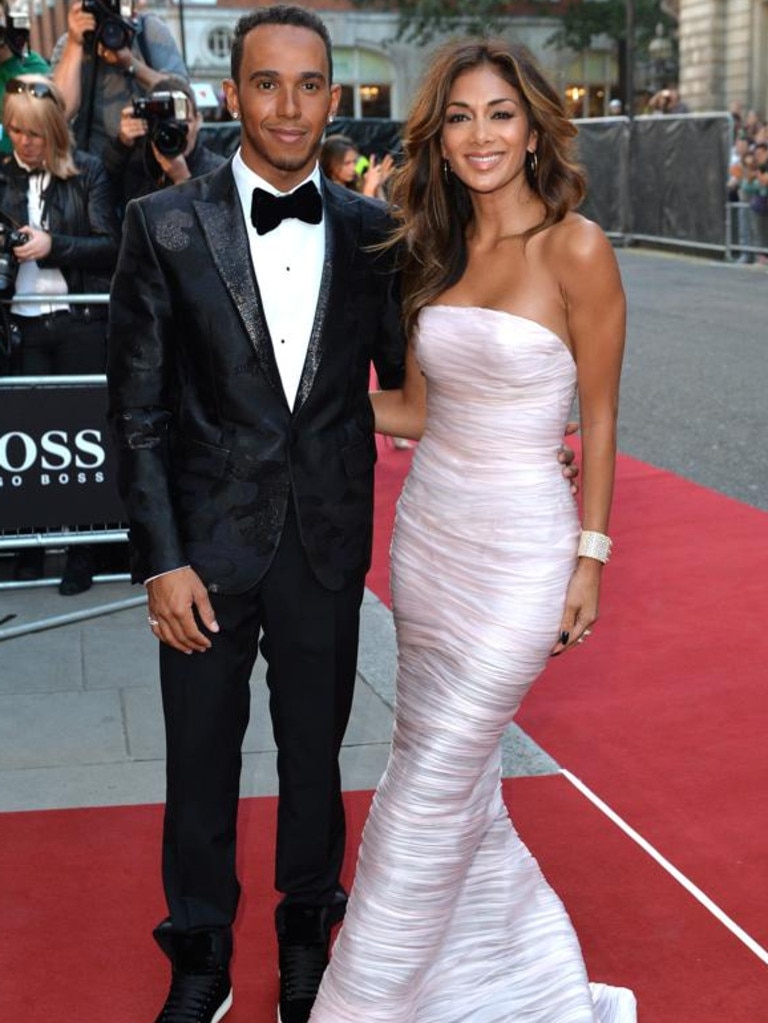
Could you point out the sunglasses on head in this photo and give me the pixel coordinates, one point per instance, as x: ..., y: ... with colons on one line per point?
x: 40, y: 90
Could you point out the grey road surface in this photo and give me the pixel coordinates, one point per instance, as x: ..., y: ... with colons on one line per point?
x: 695, y: 384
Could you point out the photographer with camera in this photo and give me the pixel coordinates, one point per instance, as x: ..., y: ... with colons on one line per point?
x: 158, y: 143
x: 61, y: 239
x: 16, y: 58
x: 108, y: 57
x: 667, y: 101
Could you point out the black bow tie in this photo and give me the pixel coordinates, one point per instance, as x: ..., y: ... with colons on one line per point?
x: 268, y: 211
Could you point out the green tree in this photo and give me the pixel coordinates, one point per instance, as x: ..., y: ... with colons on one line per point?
x: 421, y: 20
x: 583, y: 20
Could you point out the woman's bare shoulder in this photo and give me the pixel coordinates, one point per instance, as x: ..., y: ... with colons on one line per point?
x: 576, y: 238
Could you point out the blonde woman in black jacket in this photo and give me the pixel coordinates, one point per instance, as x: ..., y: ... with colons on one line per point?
x: 58, y: 204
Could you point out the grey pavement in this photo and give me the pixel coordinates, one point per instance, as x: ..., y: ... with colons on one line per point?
x: 80, y: 721
x: 694, y: 394
x: 80, y: 713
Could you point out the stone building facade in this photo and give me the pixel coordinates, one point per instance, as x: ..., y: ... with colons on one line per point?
x: 724, y: 54
x: 378, y: 72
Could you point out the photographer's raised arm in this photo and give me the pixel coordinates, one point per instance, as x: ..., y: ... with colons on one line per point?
x: 67, y: 59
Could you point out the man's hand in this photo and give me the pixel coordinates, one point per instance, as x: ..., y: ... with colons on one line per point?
x: 172, y: 601
x: 131, y: 128
x: 566, y: 458
x: 174, y: 167
x: 78, y: 22
x: 123, y: 58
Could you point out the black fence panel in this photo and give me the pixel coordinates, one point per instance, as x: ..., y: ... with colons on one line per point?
x: 657, y: 178
x: 603, y: 151
x: 678, y: 176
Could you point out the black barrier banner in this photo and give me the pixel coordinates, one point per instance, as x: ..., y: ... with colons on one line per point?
x: 57, y: 468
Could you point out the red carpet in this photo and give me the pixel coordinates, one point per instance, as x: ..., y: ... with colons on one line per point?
x: 663, y: 714
x: 81, y: 889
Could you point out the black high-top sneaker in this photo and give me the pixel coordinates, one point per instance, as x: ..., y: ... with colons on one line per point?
x: 303, y: 936
x: 201, y: 989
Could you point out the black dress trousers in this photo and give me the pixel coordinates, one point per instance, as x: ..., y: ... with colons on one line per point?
x: 309, y: 637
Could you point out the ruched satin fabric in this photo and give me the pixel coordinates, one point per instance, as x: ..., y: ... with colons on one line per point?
x: 450, y: 919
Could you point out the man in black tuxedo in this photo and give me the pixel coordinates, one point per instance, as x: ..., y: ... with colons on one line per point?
x: 243, y: 325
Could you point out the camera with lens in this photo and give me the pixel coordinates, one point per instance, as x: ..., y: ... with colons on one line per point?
x: 15, y: 23
x: 10, y: 238
x: 167, y: 116
x: 114, y: 22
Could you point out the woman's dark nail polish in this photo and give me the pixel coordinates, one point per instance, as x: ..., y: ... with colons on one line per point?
x: 564, y: 637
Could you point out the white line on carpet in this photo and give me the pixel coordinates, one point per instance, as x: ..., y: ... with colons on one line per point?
x: 686, y: 883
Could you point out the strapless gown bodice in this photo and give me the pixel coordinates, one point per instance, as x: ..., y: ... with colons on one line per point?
x: 450, y: 919
x: 500, y: 392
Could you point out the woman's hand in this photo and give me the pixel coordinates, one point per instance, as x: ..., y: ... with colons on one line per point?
x: 581, y: 605
x: 38, y: 246
x: 377, y: 174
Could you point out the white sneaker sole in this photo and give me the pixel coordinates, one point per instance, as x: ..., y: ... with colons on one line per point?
x: 223, y: 1009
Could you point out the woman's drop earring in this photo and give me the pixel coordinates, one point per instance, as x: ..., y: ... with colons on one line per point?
x: 533, y: 163
x: 446, y: 171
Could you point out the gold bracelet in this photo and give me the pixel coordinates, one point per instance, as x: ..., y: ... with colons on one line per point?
x: 594, y: 545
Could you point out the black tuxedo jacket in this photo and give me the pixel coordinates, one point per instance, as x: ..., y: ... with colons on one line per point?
x: 209, y: 451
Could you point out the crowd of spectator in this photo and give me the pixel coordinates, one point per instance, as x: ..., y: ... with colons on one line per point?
x: 748, y: 185
x: 111, y: 117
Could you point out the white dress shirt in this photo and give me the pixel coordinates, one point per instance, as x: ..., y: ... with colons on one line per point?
x: 288, y: 263
x: 32, y: 279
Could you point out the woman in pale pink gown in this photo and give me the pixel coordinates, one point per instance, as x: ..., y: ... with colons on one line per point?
x: 513, y: 304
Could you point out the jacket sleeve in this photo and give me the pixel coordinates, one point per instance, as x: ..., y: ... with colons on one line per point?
x: 390, y: 343
x: 96, y: 250
x: 141, y: 386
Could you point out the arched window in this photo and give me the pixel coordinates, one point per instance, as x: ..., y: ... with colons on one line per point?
x: 220, y: 42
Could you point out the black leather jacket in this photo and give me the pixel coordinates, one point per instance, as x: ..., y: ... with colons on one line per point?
x: 80, y: 217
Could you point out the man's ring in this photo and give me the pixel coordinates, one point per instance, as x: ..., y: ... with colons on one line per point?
x: 153, y: 621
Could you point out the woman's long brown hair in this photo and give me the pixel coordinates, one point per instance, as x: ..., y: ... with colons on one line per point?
x: 434, y: 209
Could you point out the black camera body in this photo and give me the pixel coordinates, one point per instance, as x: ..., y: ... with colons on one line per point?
x: 166, y: 114
x: 15, y: 24
x: 9, y: 265
x: 114, y: 22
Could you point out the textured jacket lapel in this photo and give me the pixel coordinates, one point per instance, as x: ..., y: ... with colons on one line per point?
x: 339, y: 248
x: 221, y: 221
